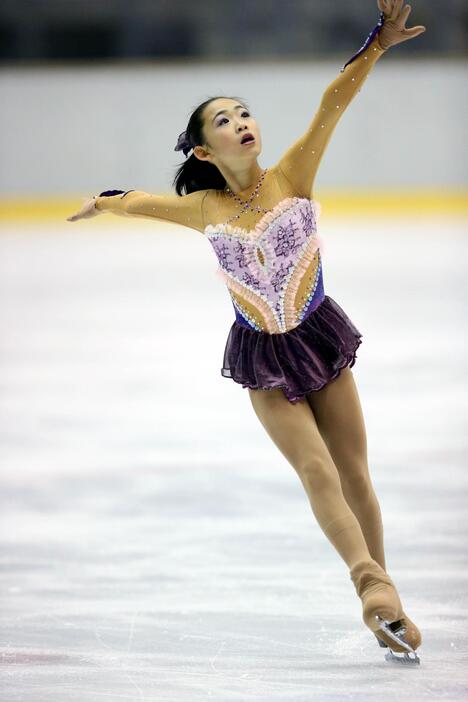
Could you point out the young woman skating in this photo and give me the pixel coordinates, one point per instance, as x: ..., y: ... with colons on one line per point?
x: 291, y: 345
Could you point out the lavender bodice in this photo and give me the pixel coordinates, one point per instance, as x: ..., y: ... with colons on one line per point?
x: 274, y: 271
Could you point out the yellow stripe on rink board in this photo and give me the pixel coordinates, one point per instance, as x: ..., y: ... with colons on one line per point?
x: 408, y: 202
x: 415, y: 202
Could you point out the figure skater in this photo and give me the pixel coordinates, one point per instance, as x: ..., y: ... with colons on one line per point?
x: 291, y: 345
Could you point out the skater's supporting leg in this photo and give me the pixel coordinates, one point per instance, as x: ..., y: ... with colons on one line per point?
x: 340, y: 420
x: 293, y: 429
x: 339, y: 416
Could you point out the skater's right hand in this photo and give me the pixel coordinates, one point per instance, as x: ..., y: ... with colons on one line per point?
x: 87, y: 211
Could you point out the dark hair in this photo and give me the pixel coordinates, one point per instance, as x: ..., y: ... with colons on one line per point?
x: 194, y: 174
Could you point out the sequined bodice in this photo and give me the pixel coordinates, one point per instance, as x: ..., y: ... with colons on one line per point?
x: 273, y: 272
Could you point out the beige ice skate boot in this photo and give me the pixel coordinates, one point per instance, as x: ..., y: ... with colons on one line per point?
x: 383, y: 612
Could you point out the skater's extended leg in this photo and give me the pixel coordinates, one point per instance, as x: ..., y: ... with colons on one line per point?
x: 340, y: 420
x: 294, y: 430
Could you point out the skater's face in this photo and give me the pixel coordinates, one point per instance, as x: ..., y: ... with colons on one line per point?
x: 226, y: 121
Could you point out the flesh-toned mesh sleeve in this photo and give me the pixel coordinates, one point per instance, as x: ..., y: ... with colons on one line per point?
x: 300, y: 162
x: 180, y: 209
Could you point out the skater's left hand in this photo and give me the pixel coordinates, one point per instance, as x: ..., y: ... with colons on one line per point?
x: 394, y: 30
x: 87, y: 210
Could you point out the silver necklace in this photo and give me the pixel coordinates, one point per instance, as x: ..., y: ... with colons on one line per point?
x: 246, y: 204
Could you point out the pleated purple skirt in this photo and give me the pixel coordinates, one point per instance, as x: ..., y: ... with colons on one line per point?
x: 300, y: 360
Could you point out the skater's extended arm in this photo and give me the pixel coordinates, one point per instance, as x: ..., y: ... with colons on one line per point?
x: 180, y: 209
x: 300, y: 162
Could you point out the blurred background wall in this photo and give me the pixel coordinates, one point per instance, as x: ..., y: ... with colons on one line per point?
x: 70, y: 30
x: 95, y: 94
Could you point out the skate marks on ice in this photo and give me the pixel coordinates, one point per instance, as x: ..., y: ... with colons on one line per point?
x: 235, y: 610
x: 154, y: 545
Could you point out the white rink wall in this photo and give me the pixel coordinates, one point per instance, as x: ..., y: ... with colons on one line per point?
x: 68, y: 130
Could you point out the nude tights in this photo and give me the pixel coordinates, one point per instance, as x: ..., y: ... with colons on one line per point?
x: 347, y: 510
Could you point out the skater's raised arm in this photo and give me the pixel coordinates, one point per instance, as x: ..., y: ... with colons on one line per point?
x: 300, y: 162
x: 180, y: 209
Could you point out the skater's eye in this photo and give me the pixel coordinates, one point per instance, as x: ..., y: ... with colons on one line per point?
x: 223, y: 118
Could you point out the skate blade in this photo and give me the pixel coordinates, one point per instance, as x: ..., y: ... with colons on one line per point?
x: 396, y: 634
x: 402, y: 658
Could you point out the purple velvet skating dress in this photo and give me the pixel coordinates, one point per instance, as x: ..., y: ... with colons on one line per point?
x: 287, y: 333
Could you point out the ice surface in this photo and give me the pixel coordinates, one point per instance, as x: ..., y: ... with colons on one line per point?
x: 155, y: 544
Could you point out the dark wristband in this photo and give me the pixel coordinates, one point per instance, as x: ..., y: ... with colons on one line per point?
x: 370, y: 38
x: 109, y: 193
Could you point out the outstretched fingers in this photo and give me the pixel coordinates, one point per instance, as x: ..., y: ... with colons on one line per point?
x: 394, y: 30
x: 88, y: 210
x: 396, y: 10
x: 384, y: 6
x: 408, y: 31
x: 390, y: 8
